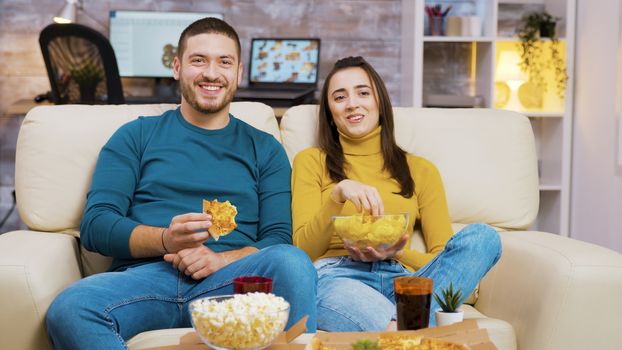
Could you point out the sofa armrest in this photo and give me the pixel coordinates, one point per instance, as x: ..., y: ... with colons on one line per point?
x: 557, y: 292
x: 34, y: 268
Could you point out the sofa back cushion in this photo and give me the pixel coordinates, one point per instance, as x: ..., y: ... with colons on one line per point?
x: 487, y: 158
x: 58, y: 147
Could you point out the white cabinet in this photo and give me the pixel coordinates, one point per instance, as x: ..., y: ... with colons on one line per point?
x: 442, y: 70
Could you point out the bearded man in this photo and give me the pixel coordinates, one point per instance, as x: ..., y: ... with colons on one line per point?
x: 144, y: 209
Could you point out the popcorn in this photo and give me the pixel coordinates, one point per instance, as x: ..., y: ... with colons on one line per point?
x: 240, y: 322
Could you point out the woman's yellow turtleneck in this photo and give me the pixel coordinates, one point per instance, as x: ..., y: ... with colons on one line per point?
x: 312, y: 206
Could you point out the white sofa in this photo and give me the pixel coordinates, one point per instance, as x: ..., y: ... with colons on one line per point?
x: 546, y: 292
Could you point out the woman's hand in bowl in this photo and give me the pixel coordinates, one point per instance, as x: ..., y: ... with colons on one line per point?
x: 371, y: 254
x: 365, y: 198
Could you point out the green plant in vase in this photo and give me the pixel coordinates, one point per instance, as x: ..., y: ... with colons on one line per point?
x: 87, y: 76
x: 534, y: 27
x: 451, y: 299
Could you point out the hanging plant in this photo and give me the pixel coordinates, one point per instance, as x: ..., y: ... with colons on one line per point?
x: 534, y: 27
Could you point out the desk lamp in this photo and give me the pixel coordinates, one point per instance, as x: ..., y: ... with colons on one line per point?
x: 508, y: 71
x: 69, y: 13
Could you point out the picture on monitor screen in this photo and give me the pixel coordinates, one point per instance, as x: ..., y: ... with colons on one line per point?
x: 284, y: 60
x: 145, y: 42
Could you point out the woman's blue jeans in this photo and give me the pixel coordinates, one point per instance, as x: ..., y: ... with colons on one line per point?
x: 104, y: 310
x: 357, y: 296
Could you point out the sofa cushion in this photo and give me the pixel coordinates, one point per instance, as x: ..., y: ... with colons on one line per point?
x: 500, y: 332
x: 58, y: 147
x: 497, y: 184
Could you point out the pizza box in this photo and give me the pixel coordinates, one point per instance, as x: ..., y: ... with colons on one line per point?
x: 466, y: 332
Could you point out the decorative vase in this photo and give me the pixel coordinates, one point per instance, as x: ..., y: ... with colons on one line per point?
x: 447, y: 318
x: 547, y: 30
x: 87, y: 93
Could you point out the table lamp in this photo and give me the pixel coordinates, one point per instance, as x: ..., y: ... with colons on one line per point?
x: 69, y: 13
x: 508, y: 71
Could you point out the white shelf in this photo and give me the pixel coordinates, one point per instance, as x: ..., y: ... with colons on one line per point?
x: 473, y: 68
x: 457, y: 39
x: 545, y: 187
x: 506, y: 39
x: 533, y: 114
x: 537, y: 114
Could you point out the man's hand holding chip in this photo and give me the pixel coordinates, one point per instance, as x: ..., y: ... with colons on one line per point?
x: 186, y: 231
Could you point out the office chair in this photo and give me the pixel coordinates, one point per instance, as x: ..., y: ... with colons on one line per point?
x: 81, y: 65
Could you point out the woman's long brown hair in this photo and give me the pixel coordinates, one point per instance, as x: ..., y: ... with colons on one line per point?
x: 394, y: 157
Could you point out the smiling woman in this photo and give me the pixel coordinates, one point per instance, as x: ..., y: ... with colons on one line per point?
x: 358, y: 167
x: 353, y: 102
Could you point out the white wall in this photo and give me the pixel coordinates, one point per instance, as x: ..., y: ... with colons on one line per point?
x: 596, y: 197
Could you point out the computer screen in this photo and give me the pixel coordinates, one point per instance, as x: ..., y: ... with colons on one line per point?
x: 284, y: 60
x: 145, y: 42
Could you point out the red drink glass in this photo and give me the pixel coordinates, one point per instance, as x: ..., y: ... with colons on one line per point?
x: 250, y: 284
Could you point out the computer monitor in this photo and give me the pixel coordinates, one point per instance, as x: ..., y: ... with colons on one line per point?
x: 145, y: 42
x: 284, y: 61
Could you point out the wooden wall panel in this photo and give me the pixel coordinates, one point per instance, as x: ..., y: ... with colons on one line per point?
x: 370, y: 28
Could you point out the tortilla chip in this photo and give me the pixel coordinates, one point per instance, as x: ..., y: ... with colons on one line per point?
x: 223, y: 217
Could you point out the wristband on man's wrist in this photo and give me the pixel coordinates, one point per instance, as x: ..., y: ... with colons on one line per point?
x: 162, y: 238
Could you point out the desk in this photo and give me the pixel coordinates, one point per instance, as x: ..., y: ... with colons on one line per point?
x: 21, y: 107
x: 10, y: 122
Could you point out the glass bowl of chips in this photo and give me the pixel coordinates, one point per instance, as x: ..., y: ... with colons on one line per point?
x: 376, y: 231
x: 239, y: 322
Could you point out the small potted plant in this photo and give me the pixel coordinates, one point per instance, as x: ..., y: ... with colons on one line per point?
x: 449, y: 302
x: 534, y: 28
x: 88, y: 75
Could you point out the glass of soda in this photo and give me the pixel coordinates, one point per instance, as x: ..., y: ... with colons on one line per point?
x: 413, y: 296
x: 252, y: 284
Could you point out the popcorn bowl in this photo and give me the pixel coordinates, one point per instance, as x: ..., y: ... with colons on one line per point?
x: 379, y: 231
x: 239, y: 322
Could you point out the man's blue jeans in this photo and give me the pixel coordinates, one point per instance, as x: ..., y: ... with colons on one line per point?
x: 104, y: 310
x: 357, y: 296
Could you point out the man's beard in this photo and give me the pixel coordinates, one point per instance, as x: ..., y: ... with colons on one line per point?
x: 189, y: 94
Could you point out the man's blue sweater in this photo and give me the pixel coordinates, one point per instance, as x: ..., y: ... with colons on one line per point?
x: 155, y: 168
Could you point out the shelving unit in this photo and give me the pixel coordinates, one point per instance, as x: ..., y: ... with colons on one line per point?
x: 468, y: 65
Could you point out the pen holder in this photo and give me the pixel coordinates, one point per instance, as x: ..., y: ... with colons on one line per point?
x: 435, y: 25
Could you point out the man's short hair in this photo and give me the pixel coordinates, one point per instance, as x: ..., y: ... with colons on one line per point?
x: 207, y: 25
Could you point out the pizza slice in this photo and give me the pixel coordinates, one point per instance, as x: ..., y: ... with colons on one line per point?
x: 392, y: 341
x: 223, y: 217
x: 317, y: 344
x: 397, y: 341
